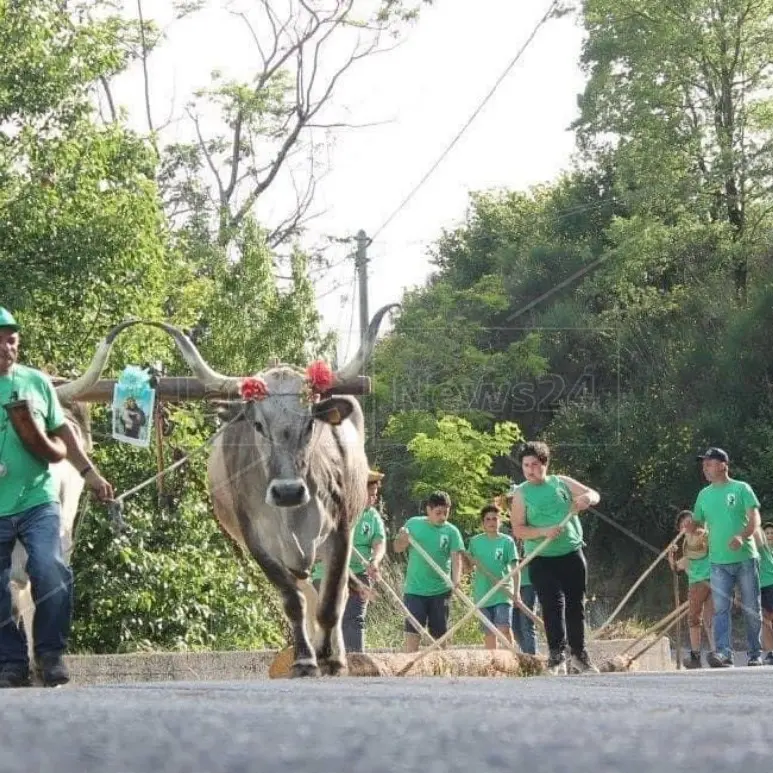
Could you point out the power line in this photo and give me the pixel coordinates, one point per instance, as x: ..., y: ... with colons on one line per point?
x: 449, y: 148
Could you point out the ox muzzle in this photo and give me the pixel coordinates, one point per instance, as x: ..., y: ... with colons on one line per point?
x: 287, y: 492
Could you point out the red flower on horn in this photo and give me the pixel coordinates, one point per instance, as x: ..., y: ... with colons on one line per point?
x: 253, y: 388
x: 320, y: 376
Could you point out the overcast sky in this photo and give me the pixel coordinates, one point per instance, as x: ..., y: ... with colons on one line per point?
x: 421, y: 93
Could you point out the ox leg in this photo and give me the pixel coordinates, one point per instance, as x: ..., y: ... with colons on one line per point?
x: 294, y: 601
x: 331, y: 653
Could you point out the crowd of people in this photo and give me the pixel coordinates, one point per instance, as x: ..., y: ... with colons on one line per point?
x: 724, y: 548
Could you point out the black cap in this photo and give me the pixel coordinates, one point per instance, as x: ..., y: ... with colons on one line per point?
x: 715, y: 453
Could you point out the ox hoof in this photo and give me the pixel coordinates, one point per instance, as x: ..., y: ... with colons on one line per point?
x: 332, y: 667
x: 304, y: 669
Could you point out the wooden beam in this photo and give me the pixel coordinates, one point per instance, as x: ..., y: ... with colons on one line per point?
x: 180, y: 389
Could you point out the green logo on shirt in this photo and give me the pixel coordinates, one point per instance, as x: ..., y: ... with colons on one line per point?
x: 444, y: 542
x: 731, y: 500
x: 499, y: 555
x: 365, y: 529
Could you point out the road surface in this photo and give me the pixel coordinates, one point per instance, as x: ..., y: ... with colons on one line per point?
x: 707, y: 722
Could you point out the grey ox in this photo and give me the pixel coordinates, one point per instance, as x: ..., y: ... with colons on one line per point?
x: 288, y: 478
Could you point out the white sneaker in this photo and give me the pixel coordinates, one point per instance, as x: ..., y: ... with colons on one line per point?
x: 557, y: 664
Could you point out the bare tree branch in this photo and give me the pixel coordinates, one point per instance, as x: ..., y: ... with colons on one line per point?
x: 109, y: 96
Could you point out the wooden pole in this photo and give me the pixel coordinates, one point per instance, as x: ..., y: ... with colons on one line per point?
x: 678, y: 623
x: 656, y: 628
x: 516, y: 601
x: 638, y: 582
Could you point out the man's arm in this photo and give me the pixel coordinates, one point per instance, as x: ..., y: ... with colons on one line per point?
x: 378, y: 550
x: 753, y: 522
x: 401, y: 541
x: 518, y: 522
x: 584, y: 496
x: 77, y: 457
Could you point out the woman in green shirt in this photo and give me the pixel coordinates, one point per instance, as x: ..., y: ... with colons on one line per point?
x: 559, y: 572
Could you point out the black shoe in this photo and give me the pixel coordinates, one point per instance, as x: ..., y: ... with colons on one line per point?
x: 717, y: 660
x: 14, y: 675
x: 754, y: 660
x: 53, y: 670
x: 768, y: 661
x: 694, y: 661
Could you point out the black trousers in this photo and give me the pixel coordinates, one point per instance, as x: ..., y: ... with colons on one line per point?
x: 560, y: 583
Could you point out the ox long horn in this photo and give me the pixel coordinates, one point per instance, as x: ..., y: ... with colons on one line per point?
x: 68, y: 391
x: 355, y: 366
x: 212, y: 380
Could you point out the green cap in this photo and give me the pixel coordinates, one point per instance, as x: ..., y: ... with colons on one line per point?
x: 7, y: 320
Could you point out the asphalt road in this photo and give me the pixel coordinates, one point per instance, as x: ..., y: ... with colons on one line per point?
x: 703, y: 721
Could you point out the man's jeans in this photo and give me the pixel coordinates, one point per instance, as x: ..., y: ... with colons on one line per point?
x: 353, y: 623
x: 38, y: 530
x: 523, y: 627
x: 723, y: 581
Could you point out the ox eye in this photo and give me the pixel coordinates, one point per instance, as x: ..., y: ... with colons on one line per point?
x: 309, y: 427
x: 259, y: 427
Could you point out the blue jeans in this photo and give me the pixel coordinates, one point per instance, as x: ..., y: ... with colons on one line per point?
x: 723, y: 580
x: 51, y: 579
x: 499, y: 615
x: 353, y: 623
x: 523, y: 628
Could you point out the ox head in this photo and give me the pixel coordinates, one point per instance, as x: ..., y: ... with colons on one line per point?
x: 287, y: 408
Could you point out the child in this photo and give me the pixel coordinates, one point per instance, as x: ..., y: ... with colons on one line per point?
x: 494, y: 555
x: 695, y: 561
x: 426, y: 593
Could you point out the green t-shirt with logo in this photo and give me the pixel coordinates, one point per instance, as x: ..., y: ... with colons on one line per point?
x: 547, y: 504
x: 766, y: 566
x: 723, y: 508
x: 369, y: 528
x: 28, y: 481
x: 496, y: 554
x: 439, y: 541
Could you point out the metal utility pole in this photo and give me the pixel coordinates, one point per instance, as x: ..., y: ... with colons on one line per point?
x: 361, y: 262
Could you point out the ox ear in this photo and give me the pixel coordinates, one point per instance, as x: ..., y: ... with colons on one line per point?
x: 333, y: 410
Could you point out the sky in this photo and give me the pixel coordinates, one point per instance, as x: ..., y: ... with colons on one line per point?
x: 417, y: 97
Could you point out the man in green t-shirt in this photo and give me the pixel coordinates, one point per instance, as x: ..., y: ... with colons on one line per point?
x: 369, y: 540
x: 493, y: 555
x: 730, y: 509
x: 559, y: 572
x: 426, y: 593
x: 764, y: 539
x: 30, y: 513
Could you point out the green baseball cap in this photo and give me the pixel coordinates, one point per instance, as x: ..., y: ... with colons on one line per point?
x: 7, y: 320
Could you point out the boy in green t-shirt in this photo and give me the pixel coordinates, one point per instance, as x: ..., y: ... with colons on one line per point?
x: 765, y: 544
x: 493, y: 555
x: 730, y: 509
x: 426, y: 593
